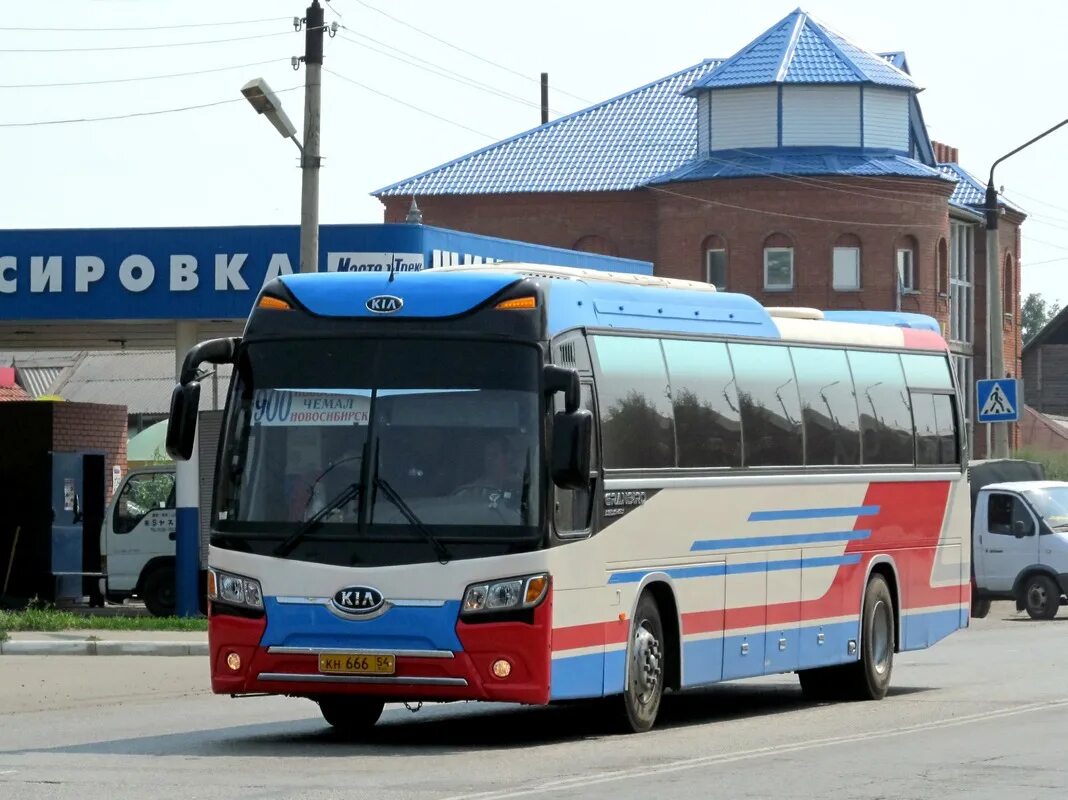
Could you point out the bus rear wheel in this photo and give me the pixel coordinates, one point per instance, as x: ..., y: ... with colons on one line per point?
x: 350, y: 716
x: 646, y: 652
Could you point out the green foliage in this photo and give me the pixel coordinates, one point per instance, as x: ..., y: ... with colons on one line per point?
x: 39, y: 617
x: 1035, y: 312
x: 1055, y: 464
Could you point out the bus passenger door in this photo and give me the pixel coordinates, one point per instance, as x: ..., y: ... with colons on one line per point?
x: 745, y: 617
x: 782, y: 644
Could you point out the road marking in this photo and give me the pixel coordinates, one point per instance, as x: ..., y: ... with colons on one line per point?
x: 742, y: 755
x: 8, y: 771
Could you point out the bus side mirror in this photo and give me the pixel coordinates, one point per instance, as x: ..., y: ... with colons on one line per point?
x: 570, y: 459
x: 559, y: 379
x: 182, y: 425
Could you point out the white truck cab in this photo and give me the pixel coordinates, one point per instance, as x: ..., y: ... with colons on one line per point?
x: 137, y: 540
x: 1020, y: 546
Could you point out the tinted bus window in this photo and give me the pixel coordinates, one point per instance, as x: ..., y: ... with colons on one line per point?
x: 828, y: 406
x: 637, y: 430
x: 926, y: 372
x: 927, y: 443
x: 771, y: 409
x: 946, y: 426
x: 885, y: 416
x: 705, y: 401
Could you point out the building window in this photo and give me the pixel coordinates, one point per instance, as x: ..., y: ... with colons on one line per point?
x: 906, y: 269
x: 715, y: 250
x: 942, y: 258
x: 778, y: 263
x: 961, y: 288
x: 846, y: 268
x: 1008, y: 296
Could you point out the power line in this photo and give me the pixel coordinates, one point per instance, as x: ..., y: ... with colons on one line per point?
x: 463, y: 50
x: 1040, y: 202
x: 440, y: 71
x: 1027, y: 264
x: 409, y: 105
x: 856, y: 223
x: 151, y: 27
x: 140, y: 77
x: 145, y: 46
x: 131, y: 115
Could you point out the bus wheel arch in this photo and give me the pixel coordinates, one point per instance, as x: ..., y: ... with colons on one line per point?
x: 664, y: 595
x: 885, y: 566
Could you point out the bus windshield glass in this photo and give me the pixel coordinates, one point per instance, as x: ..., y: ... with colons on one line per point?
x: 369, y: 451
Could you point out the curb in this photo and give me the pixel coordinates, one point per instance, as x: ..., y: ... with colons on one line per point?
x: 102, y: 648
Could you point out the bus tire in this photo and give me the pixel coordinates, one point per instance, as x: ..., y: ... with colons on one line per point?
x: 646, y: 652
x: 350, y: 716
x: 868, y: 678
x: 1041, y: 596
x: 158, y: 591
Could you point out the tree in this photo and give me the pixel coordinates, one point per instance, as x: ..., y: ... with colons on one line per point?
x: 1034, y: 314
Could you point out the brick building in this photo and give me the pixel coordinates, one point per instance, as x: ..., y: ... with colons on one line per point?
x: 799, y: 171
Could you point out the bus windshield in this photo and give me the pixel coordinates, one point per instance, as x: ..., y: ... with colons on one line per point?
x: 386, y: 446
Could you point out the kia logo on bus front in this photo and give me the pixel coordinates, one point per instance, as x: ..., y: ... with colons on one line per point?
x: 358, y: 600
x: 384, y: 304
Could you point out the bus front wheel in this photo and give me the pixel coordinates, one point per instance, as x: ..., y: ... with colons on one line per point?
x: 646, y: 653
x: 350, y: 716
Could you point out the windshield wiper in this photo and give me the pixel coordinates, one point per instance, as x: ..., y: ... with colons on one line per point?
x: 391, y: 494
x: 346, y: 495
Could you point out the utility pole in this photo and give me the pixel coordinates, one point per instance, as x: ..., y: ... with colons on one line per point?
x: 310, y: 160
x: 999, y: 440
x: 544, y: 97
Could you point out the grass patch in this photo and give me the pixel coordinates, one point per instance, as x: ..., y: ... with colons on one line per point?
x: 51, y: 619
x: 1055, y: 464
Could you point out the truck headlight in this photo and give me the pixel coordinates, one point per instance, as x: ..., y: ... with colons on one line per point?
x: 507, y: 594
x: 237, y: 590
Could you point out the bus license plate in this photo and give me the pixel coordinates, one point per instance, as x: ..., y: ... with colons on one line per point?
x: 357, y: 664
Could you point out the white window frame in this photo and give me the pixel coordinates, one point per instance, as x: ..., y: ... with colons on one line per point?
x: 961, y: 286
x: 708, y: 267
x: 854, y: 255
x: 910, y: 284
x: 779, y: 287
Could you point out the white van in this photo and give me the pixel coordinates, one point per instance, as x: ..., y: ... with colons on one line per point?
x: 1020, y: 546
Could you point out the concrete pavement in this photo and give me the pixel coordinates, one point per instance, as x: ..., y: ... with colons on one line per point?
x: 983, y: 714
x: 105, y: 643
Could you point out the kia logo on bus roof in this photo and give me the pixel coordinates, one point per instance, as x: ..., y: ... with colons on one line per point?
x: 358, y: 600
x: 384, y: 304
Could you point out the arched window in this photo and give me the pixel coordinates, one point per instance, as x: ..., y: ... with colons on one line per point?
x: 942, y: 260
x: 845, y: 265
x: 778, y: 262
x: 907, y: 269
x: 1008, y: 295
x: 595, y: 244
x: 714, y: 249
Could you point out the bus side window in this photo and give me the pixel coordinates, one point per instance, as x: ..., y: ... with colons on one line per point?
x: 572, y: 507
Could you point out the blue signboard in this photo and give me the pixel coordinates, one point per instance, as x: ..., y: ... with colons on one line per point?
x: 216, y: 273
x: 998, y: 400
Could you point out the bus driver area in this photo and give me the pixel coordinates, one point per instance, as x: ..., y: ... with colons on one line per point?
x: 528, y: 484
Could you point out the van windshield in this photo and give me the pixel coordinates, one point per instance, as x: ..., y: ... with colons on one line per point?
x: 1051, y: 505
x: 379, y: 442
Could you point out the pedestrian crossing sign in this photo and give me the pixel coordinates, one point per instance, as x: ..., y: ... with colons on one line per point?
x: 998, y: 400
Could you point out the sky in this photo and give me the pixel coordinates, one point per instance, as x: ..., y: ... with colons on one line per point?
x: 992, y: 74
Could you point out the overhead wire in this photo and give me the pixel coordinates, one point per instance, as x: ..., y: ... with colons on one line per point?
x: 131, y: 115
x: 147, y: 27
x: 409, y: 105
x: 153, y: 46
x: 138, y: 78
x: 470, y: 53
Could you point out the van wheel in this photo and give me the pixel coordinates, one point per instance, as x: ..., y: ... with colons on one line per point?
x: 158, y: 592
x: 645, y: 667
x: 980, y: 607
x: 868, y: 678
x: 1041, y: 596
x: 351, y: 717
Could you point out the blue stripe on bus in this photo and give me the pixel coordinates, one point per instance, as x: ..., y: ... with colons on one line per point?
x: 813, y: 513
x: 577, y: 676
x: 920, y: 630
x: 710, y: 570
x: 771, y: 541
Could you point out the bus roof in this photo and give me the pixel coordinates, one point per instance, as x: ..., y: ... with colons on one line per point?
x: 591, y: 298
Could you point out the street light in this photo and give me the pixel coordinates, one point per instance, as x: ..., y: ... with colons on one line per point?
x: 999, y: 446
x: 261, y: 98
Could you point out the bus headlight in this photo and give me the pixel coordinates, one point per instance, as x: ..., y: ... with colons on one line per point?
x: 236, y: 590
x: 509, y: 594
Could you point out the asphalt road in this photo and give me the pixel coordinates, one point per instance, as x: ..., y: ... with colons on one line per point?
x: 983, y: 714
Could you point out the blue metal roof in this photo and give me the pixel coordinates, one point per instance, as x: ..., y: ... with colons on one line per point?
x: 798, y: 49
x: 970, y: 192
x: 619, y: 144
x: 799, y: 161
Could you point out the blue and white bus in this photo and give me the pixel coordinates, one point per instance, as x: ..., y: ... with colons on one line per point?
x: 532, y: 484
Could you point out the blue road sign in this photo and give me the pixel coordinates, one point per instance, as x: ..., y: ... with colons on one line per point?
x: 998, y: 400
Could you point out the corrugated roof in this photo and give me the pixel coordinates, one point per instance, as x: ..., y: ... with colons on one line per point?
x: 619, y: 144
x: 799, y: 161
x: 37, y: 381
x: 798, y: 49
x: 970, y: 192
x: 9, y: 394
